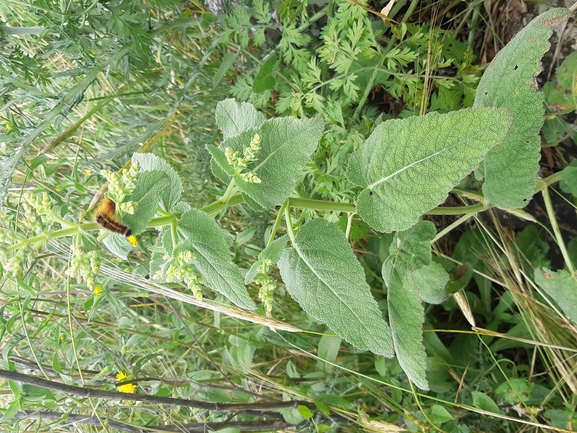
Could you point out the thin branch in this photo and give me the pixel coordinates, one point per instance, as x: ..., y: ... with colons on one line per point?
x: 270, y: 425
x: 194, y: 404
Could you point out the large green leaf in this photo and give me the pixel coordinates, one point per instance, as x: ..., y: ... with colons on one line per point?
x: 561, y: 287
x: 148, y: 192
x: 286, y: 146
x: 149, y: 162
x: 406, y: 316
x: 151, y: 187
x: 510, y: 170
x: 430, y: 282
x: 405, y: 273
x: 234, y: 118
x: 218, y: 163
x: 212, y: 258
x: 322, y: 274
x: 118, y: 245
x: 408, y: 166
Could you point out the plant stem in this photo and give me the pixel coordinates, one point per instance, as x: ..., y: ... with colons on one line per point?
x: 453, y: 225
x: 162, y: 221
x: 349, y: 225
x: 270, y: 424
x: 548, y: 181
x: 331, y: 206
x: 289, y: 225
x: 458, y: 210
x: 555, y: 226
x: 314, y: 18
x: 224, y: 202
x: 214, y: 208
x: 230, y: 191
x: 277, y: 222
x: 368, y: 89
x: 306, y: 203
x: 70, y: 390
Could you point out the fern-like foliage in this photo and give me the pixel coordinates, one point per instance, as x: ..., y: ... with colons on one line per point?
x: 352, y: 54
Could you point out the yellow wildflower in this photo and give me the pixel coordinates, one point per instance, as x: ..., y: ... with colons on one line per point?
x: 129, y: 388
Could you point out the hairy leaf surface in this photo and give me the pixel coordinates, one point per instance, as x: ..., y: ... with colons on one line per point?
x: 118, y: 245
x: 322, y: 274
x: 408, y: 166
x: 162, y: 248
x: 510, y: 170
x: 430, y: 282
x: 149, y: 162
x: 207, y: 241
x: 286, y: 147
x: 150, y: 188
x: 405, y: 273
x: 234, y: 118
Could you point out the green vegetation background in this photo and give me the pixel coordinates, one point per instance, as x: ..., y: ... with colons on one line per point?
x: 85, y: 85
